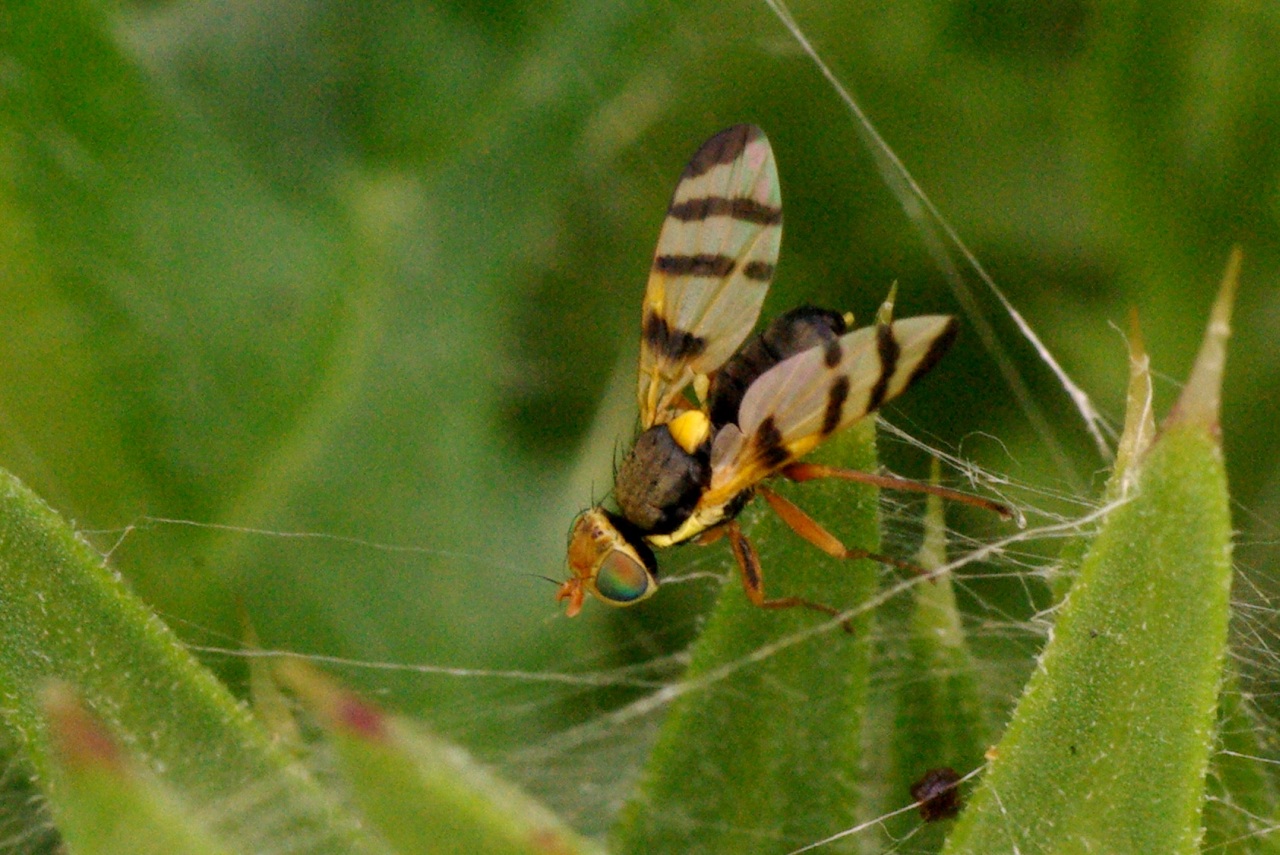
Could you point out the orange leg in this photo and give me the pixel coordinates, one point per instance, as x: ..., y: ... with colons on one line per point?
x: 809, y: 471
x: 804, y: 525
x: 710, y: 536
x: 753, y: 578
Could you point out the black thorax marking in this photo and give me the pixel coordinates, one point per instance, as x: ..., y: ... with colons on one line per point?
x: 659, y: 483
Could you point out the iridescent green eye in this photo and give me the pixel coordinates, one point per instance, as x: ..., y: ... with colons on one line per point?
x: 622, y: 580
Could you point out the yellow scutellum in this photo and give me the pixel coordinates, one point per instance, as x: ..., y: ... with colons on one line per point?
x: 690, y: 430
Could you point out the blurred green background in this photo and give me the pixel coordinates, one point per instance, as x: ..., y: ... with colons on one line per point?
x: 374, y: 271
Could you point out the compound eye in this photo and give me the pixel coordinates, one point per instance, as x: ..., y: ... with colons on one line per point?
x: 622, y: 580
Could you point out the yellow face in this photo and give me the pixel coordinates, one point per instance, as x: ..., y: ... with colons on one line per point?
x: 603, y: 564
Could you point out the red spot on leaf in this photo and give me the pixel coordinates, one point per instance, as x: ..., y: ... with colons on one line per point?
x: 363, y: 719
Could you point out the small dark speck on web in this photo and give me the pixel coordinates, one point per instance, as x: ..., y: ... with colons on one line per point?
x: 938, y: 794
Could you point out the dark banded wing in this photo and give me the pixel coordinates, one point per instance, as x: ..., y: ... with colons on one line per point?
x: 715, y: 258
x: 801, y: 401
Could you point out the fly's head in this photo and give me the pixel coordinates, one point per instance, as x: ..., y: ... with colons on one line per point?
x: 603, y: 562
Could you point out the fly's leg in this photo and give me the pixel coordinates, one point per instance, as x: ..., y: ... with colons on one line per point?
x: 710, y: 536
x: 753, y: 578
x: 804, y: 525
x: 809, y: 471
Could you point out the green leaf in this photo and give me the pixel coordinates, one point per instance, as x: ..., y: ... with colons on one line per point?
x: 422, y: 794
x: 1108, y: 749
x: 105, y: 806
x: 65, y: 616
x: 158, y: 279
x: 938, y: 718
x: 1139, y: 430
x: 761, y: 747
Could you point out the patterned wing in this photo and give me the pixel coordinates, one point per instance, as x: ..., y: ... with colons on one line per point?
x: 715, y: 258
x: 801, y: 401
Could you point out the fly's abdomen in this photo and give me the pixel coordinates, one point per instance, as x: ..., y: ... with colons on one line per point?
x: 659, y: 483
x: 792, y: 333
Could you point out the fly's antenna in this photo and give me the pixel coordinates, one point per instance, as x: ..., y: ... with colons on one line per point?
x: 546, y: 578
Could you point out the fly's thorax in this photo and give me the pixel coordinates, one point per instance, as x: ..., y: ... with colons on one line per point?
x: 609, y: 560
x: 666, y: 472
x: 703, y: 519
